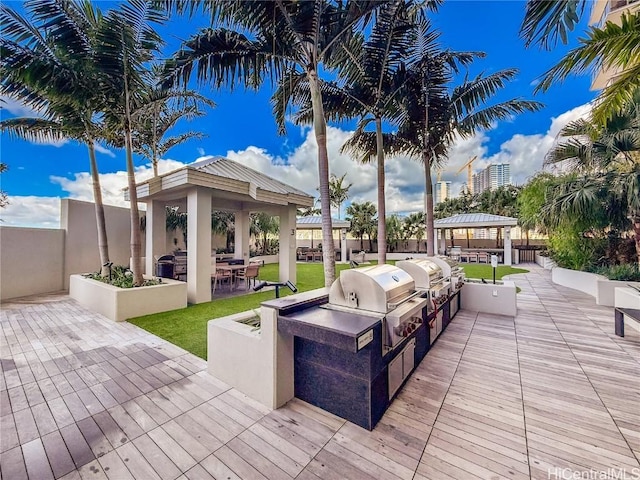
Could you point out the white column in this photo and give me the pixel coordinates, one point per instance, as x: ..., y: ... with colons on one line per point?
x: 507, y: 245
x: 199, y: 245
x: 155, y: 233
x: 288, y: 244
x: 241, y: 236
x: 443, y: 241
x: 343, y: 245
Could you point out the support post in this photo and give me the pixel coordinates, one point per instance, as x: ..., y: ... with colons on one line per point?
x: 343, y: 245
x: 199, y: 249
x: 507, y: 246
x: 241, y: 236
x: 287, y: 254
x: 155, y: 233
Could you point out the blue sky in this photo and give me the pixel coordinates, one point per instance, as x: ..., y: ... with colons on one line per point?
x: 243, y: 128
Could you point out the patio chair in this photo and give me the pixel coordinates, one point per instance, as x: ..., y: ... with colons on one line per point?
x: 483, y: 257
x: 219, y: 276
x: 251, y: 272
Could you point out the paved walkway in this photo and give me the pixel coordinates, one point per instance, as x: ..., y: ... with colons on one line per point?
x: 550, y: 393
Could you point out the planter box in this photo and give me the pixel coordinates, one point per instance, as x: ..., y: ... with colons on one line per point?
x: 606, y: 294
x: 545, y: 262
x: 499, y: 299
x: 247, y: 359
x: 119, y: 304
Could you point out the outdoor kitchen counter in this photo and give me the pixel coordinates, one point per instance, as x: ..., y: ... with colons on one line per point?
x: 331, y: 370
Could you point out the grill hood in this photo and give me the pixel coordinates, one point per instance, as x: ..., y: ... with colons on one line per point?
x: 424, y: 272
x: 378, y: 288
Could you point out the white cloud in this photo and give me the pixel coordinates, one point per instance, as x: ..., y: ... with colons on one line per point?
x: 200, y: 151
x: 31, y: 211
x: 405, y: 177
x: 100, y: 149
x: 17, y: 108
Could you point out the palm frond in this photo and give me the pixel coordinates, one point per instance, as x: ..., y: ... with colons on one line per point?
x: 545, y: 22
x: 33, y: 129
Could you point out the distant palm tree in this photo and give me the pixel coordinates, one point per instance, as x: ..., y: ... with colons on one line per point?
x: 288, y: 39
x: 263, y: 224
x: 362, y: 219
x: 46, y: 63
x: 338, y: 191
x: 3, y: 196
x: 413, y: 226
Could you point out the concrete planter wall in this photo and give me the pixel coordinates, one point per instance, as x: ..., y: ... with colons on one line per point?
x: 119, y: 304
x: 583, y: 281
x: 545, y: 262
x: 248, y: 360
x: 499, y: 299
x: 599, y: 287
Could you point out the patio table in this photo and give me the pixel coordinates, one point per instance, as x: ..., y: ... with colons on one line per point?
x: 232, y: 269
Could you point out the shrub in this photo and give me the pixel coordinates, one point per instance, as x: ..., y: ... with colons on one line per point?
x: 121, y: 277
x: 626, y: 272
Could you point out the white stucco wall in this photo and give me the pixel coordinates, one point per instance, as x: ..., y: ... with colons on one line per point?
x: 498, y: 299
x: 78, y: 219
x: 583, y: 281
x: 31, y: 261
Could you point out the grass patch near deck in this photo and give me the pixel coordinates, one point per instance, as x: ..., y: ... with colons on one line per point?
x: 187, y: 327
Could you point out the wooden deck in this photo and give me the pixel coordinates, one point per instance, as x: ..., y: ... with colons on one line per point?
x: 544, y: 395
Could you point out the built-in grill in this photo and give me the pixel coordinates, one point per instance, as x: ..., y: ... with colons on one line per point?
x: 428, y: 276
x: 383, y: 291
x: 452, y: 270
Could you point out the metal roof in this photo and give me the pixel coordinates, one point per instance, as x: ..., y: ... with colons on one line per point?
x: 223, y: 167
x: 315, y: 221
x: 227, y: 177
x: 475, y: 220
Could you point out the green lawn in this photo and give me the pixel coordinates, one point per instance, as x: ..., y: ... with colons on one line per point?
x: 187, y: 327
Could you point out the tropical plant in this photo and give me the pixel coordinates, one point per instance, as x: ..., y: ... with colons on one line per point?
x: 288, y: 42
x: 362, y: 217
x: 413, y: 227
x: 263, y: 224
x: 605, y: 188
x: 611, y: 47
x: 433, y: 113
x: 531, y: 201
x: 175, y: 220
x: 223, y: 223
x: 126, y: 44
x: 158, y: 113
x: 309, y: 211
x: 46, y: 63
x: 393, y: 232
x: 338, y: 192
x: 369, y: 76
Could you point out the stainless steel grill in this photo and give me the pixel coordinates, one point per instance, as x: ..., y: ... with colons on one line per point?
x: 428, y: 277
x: 452, y: 270
x: 382, y: 290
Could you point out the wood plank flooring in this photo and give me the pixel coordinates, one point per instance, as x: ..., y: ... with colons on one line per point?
x: 547, y: 394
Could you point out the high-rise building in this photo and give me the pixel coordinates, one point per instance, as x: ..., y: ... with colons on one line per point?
x: 492, y: 177
x: 442, y: 191
x: 609, y: 11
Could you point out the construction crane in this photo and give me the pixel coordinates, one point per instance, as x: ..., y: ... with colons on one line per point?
x: 469, y: 173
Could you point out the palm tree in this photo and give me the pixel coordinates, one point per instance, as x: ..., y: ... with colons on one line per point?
x: 223, y: 223
x: 126, y: 44
x: 46, y: 63
x: 3, y: 196
x: 609, y: 47
x: 606, y: 160
x: 414, y: 227
x: 338, y: 192
x: 264, y: 224
x: 289, y: 40
x: 433, y: 114
x: 393, y: 231
x: 368, y: 83
x: 362, y: 218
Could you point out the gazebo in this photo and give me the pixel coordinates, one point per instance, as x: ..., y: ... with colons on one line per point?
x: 314, y: 222
x: 478, y: 220
x: 217, y: 183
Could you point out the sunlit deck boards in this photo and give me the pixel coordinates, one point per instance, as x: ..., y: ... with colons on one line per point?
x: 497, y: 397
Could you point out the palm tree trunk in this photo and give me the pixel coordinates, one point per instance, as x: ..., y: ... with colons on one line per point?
x: 103, y: 246
x: 382, y: 208
x: 428, y: 204
x: 136, y: 241
x: 320, y: 129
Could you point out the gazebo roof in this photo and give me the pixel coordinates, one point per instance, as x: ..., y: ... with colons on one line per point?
x: 475, y: 220
x: 313, y: 222
x: 230, y: 179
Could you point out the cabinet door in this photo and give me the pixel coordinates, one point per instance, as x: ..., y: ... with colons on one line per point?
x: 408, y: 359
x: 395, y: 375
